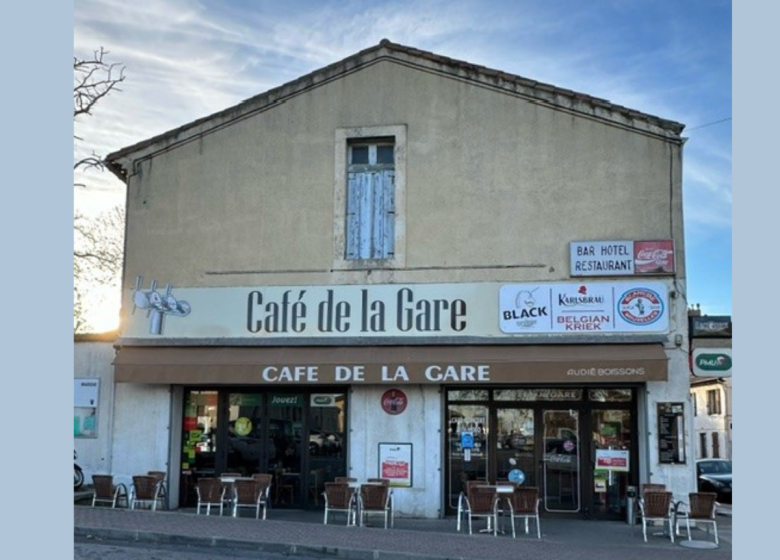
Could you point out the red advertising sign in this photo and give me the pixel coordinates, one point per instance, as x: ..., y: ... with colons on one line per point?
x: 612, y: 459
x: 654, y: 257
x: 394, y: 401
x: 395, y: 469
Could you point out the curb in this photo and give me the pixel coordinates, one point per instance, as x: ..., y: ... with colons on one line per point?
x: 283, y: 549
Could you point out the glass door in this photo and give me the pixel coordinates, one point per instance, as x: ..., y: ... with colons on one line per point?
x: 246, y: 453
x: 285, y: 444
x: 515, y: 445
x: 611, y: 461
x: 561, y: 460
x: 467, y: 451
x: 200, y: 442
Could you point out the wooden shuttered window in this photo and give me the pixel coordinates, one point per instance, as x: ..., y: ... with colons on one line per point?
x: 370, y: 212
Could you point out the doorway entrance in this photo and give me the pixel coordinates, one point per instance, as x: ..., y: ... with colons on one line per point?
x: 574, y: 444
x: 298, y: 437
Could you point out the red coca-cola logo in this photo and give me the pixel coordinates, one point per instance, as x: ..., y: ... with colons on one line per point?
x: 394, y: 401
x: 653, y: 257
x: 658, y: 256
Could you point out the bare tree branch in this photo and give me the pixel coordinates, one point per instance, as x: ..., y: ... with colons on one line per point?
x: 93, y: 80
x: 98, y: 243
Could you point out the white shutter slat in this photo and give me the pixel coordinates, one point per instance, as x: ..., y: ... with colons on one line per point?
x: 388, y: 212
x: 353, y: 219
x: 365, y: 188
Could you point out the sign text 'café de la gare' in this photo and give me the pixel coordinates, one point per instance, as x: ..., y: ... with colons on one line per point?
x: 407, y: 311
x: 309, y: 334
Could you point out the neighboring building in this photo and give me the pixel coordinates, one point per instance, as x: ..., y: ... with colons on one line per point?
x: 711, y: 384
x: 408, y: 266
x: 93, y: 392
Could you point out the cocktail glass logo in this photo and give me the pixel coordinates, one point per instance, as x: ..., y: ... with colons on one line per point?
x: 640, y: 306
x: 157, y: 305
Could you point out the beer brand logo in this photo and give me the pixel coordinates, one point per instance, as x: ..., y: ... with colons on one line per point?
x: 526, y: 312
x: 582, y: 298
x: 640, y: 306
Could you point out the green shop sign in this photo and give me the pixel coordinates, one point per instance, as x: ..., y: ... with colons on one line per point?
x: 286, y: 400
x: 714, y: 362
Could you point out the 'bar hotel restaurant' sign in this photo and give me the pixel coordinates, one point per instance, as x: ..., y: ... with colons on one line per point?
x: 621, y: 258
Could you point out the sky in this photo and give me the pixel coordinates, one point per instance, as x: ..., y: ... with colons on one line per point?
x: 185, y: 60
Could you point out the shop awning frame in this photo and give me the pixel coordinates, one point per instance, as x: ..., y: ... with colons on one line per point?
x: 385, y: 365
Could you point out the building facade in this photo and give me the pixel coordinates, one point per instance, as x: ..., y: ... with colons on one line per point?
x: 408, y: 266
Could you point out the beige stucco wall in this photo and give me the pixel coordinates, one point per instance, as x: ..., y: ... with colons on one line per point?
x: 492, y: 181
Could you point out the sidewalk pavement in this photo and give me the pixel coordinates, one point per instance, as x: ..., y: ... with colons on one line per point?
x: 302, y: 533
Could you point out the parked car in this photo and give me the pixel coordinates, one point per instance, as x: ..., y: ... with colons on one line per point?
x: 714, y: 475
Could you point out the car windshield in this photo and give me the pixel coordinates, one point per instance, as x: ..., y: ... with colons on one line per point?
x: 715, y: 467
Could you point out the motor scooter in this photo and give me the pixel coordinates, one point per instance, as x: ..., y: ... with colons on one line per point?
x: 78, y: 474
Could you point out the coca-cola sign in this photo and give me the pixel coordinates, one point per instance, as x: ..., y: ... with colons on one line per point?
x: 394, y: 401
x: 654, y: 257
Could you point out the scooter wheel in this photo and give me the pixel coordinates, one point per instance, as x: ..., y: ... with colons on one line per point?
x: 78, y: 478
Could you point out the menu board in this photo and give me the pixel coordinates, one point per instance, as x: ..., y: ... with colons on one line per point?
x: 671, y: 435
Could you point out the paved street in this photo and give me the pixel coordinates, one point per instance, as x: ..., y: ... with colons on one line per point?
x: 302, y: 534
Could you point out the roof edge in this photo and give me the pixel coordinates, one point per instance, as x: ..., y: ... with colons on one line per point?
x: 551, y: 95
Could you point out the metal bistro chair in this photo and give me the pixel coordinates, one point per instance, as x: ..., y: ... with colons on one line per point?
x: 701, y: 510
x: 163, y: 495
x: 250, y: 494
x: 524, y: 504
x: 106, y: 492
x: 482, y: 501
x: 463, y: 502
x: 376, y: 499
x: 339, y: 497
x: 657, y: 506
x: 145, y: 491
x: 647, y: 487
x: 211, y: 492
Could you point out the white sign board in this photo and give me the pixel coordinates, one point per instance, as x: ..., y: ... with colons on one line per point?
x: 85, y: 392
x: 615, y: 460
x: 395, y: 463
x: 602, y: 258
x: 596, y: 307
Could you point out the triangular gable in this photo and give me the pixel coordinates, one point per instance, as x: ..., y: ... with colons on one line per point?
x: 549, y: 95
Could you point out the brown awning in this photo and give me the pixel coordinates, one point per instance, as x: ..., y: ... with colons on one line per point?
x: 373, y: 365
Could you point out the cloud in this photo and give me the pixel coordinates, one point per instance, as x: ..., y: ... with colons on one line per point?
x: 186, y: 60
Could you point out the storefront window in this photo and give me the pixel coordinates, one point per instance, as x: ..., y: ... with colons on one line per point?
x: 468, y: 395
x: 538, y: 395
x: 610, y: 395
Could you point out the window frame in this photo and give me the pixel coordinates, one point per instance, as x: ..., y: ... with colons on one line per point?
x: 346, y: 137
x: 713, y: 402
